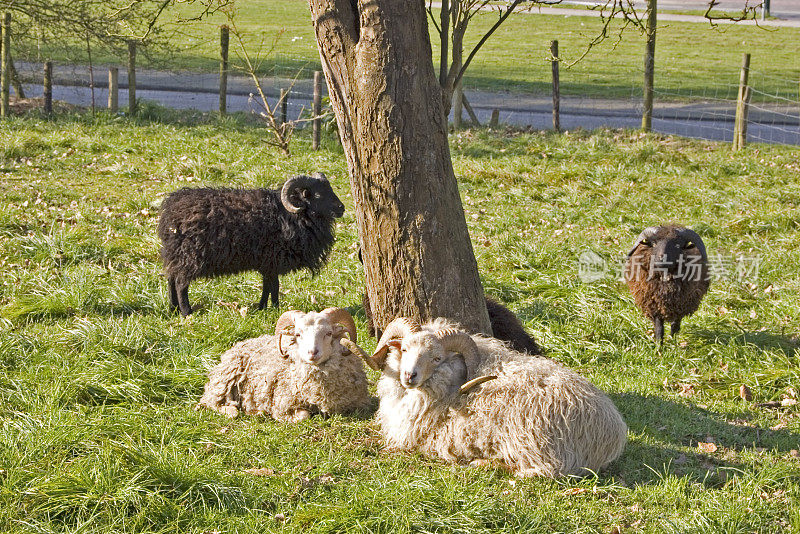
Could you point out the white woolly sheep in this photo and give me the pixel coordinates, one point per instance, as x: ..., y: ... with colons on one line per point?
x: 307, y: 367
x: 532, y: 415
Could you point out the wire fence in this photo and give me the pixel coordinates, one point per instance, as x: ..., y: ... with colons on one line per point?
x: 701, y: 105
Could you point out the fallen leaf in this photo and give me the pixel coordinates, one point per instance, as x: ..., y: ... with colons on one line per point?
x: 574, y: 491
x: 794, y: 453
x: 753, y: 314
x: 707, y: 447
x: 280, y: 517
x: 687, y: 390
x: 788, y: 402
x: 260, y: 471
x: 745, y: 393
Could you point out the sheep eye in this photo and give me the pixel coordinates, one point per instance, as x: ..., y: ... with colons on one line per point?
x: 647, y: 243
x: 328, y: 334
x: 437, y: 359
x: 689, y: 244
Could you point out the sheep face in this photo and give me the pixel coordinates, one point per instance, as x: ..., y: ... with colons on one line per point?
x: 316, y: 196
x: 668, y: 252
x: 420, y: 355
x: 422, y: 361
x: 316, y: 338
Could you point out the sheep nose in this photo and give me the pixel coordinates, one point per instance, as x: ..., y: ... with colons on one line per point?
x: 410, y: 376
x: 313, y: 354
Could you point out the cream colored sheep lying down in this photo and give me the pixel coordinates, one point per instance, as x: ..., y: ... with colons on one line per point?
x: 533, y: 415
x: 301, y: 370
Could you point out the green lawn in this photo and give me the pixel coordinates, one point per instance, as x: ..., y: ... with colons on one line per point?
x: 98, y: 380
x: 692, y: 59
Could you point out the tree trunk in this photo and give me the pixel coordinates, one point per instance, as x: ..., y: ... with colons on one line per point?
x: 418, y: 258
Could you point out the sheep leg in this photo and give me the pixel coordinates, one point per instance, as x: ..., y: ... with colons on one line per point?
x: 173, y: 293
x: 676, y: 327
x: 183, y: 298
x: 658, y: 327
x: 269, y: 287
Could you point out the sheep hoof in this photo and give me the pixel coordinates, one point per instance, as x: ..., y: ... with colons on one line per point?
x: 229, y: 411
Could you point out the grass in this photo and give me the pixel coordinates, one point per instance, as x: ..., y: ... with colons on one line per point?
x: 692, y: 59
x: 98, y: 380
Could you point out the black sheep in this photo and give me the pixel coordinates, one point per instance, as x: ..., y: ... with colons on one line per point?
x: 667, y: 272
x: 208, y: 232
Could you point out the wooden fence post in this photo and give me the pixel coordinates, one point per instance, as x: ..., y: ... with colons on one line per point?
x: 317, y: 109
x: 48, y: 87
x: 458, y: 106
x: 649, y: 65
x: 494, y: 122
x: 5, y: 67
x: 556, y: 87
x: 131, y: 78
x: 739, y: 127
x: 224, y: 40
x: 745, y: 111
x: 113, y: 89
x: 284, y: 105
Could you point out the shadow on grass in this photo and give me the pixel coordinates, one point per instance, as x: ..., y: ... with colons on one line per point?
x: 763, y: 339
x: 38, y: 309
x: 682, y: 426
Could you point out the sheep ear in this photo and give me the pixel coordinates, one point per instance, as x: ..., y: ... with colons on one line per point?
x: 395, y: 343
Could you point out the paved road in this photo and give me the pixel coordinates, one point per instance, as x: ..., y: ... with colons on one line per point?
x: 785, y: 13
x: 707, y: 120
x: 781, y: 9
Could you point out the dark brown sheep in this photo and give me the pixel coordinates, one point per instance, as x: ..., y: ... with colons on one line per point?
x: 667, y: 273
x: 208, y: 232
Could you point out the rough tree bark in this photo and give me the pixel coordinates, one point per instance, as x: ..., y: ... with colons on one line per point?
x: 418, y: 258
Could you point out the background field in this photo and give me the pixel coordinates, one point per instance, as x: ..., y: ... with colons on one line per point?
x: 98, y: 380
x: 692, y: 59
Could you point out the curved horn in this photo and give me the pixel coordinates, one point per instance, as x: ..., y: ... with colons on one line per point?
x: 693, y: 236
x: 355, y: 349
x: 399, y: 328
x: 475, y: 382
x: 285, y: 326
x: 342, y: 317
x: 459, y: 341
x: 289, y: 188
x: 647, y: 233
